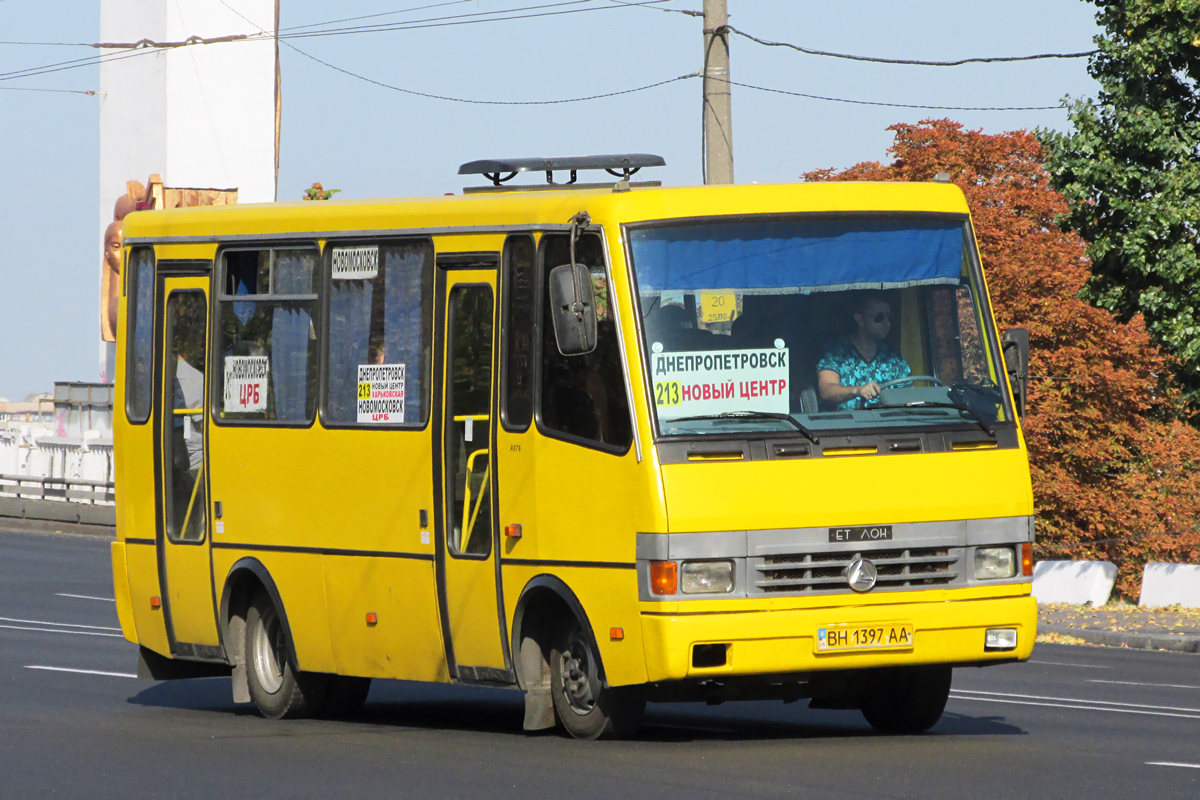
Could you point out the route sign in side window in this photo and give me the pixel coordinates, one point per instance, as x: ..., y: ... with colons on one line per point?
x: 380, y: 320
x: 267, y: 339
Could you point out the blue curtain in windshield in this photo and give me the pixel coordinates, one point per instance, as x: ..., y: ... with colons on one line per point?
x: 799, y: 255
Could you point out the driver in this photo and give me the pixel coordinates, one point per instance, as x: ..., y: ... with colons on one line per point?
x: 852, y: 368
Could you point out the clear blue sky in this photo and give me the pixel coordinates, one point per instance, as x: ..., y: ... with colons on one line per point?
x: 374, y: 142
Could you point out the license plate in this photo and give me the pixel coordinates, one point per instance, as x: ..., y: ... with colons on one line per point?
x: 876, y: 636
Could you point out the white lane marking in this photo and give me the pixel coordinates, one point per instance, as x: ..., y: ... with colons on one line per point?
x: 59, y: 624
x: 53, y: 630
x: 1066, y: 664
x: 1076, y: 707
x: 83, y: 671
x: 1137, y: 683
x: 1171, y: 764
x: 85, y: 597
x: 1076, y: 700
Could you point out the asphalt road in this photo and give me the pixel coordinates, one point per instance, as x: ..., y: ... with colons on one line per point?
x: 1076, y: 722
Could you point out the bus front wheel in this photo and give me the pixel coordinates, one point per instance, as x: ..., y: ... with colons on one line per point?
x: 907, y: 699
x: 586, y: 707
x: 277, y: 688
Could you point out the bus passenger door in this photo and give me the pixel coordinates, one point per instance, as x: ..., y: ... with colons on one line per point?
x: 466, y: 546
x: 185, y: 572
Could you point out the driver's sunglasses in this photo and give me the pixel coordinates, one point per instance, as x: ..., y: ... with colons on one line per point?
x: 880, y: 316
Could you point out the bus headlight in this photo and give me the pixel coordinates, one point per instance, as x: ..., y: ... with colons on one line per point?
x: 995, y: 562
x: 1000, y: 639
x: 707, y: 577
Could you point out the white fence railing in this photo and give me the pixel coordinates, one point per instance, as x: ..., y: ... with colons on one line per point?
x: 71, y: 490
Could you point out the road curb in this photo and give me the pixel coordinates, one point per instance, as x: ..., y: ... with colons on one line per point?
x: 1139, y: 641
x: 19, y: 525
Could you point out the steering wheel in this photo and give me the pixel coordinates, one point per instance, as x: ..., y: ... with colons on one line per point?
x: 909, y: 379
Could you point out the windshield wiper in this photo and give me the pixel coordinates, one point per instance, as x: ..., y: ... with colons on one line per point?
x: 808, y: 434
x: 976, y: 417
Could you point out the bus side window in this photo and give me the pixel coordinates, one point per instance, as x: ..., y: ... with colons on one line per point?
x: 583, y: 396
x: 517, y: 347
x: 958, y: 342
x: 267, y: 342
x: 139, y: 329
x: 380, y: 323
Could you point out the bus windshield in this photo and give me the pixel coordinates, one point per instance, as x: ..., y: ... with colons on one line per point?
x: 813, y: 324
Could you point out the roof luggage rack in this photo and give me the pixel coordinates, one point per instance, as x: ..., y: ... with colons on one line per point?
x: 500, y: 171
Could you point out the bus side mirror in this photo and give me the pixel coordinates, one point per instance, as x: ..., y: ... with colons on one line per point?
x: 1016, y: 363
x: 573, y: 309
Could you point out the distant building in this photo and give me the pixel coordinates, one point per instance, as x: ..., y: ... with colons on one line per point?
x: 66, y: 434
x: 37, y: 407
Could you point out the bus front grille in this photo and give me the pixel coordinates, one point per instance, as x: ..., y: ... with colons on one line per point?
x: 909, y: 568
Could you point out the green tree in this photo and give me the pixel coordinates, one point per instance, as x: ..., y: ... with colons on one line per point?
x: 1130, y: 173
x: 319, y: 192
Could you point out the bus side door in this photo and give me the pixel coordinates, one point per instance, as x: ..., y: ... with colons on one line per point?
x: 184, y: 567
x: 466, y: 531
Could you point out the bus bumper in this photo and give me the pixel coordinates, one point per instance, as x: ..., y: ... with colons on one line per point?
x: 775, y: 641
x: 120, y: 573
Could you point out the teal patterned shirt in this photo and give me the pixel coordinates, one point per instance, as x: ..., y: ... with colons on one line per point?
x: 842, y: 357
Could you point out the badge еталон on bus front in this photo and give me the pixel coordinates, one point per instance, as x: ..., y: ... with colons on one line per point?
x: 861, y: 533
x: 719, y: 381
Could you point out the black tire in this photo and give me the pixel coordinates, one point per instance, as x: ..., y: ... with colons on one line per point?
x: 344, y: 696
x: 278, y: 689
x: 586, y: 707
x: 907, y: 699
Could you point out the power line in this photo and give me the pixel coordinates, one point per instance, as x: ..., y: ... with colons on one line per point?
x: 908, y: 61
x: 655, y: 85
x: 459, y: 99
x: 429, y: 22
x: 664, y: 10
x: 370, y: 16
x: 74, y: 64
x: 434, y: 22
x: 390, y: 26
x: 492, y: 102
x: 464, y: 19
x: 56, y: 91
x: 106, y: 45
x: 890, y: 105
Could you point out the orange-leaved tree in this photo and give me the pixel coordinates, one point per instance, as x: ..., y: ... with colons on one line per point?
x: 1114, y: 469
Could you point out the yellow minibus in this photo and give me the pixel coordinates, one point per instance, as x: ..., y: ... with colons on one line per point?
x: 602, y: 443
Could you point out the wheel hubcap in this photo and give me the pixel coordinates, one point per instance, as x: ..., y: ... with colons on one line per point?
x: 577, y: 669
x: 268, y: 652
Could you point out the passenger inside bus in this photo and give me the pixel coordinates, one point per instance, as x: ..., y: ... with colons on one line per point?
x: 853, y: 367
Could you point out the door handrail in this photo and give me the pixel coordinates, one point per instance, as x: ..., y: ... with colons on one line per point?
x: 471, y: 514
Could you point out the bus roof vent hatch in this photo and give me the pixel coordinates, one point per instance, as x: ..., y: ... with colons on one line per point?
x: 502, y: 170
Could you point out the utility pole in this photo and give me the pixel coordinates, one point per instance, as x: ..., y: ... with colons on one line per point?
x: 718, y: 113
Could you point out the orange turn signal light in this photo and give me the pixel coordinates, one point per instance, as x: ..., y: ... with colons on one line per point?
x: 372, y: 618
x: 155, y: 602
x: 513, y: 531
x: 664, y: 577
x: 1027, y: 559
x: 616, y: 634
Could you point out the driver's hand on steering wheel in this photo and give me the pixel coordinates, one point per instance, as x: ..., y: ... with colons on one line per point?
x: 869, y: 391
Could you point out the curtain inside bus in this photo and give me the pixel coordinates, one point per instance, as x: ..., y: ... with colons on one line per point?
x: 781, y: 256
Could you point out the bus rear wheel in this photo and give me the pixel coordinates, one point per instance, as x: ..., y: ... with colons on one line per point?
x: 586, y: 707
x: 907, y: 699
x: 278, y: 689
